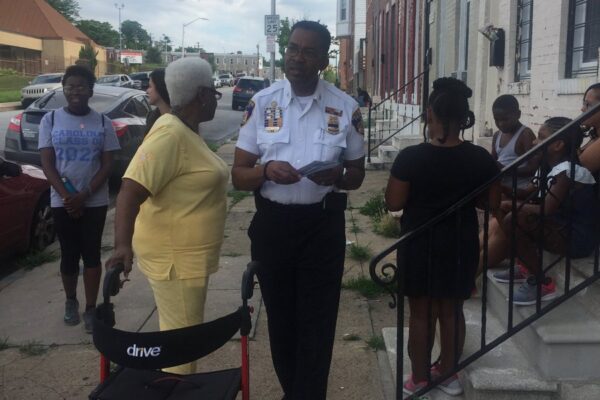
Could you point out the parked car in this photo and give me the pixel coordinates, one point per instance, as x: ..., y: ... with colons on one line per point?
x: 41, y: 85
x: 217, y: 82
x: 25, y: 215
x: 127, y: 108
x: 226, y: 79
x: 238, y: 76
x: 120, y: 80
x: 143, y: 78
x: 245, y: 89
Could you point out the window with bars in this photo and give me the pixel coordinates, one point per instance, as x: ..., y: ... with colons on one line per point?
x: 523, y: 46
x: 343, y: 10
x: 583, y: 38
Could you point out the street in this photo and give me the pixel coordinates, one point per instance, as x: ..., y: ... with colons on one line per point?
x: 223, y: 127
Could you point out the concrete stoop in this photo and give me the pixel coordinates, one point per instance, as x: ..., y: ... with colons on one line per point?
x: 564, y: 344
x: 508, y: 372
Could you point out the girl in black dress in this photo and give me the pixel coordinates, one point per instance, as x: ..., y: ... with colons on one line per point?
x: 440, y: 263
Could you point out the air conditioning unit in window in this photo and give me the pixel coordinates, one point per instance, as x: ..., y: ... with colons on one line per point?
x: 460, y: 75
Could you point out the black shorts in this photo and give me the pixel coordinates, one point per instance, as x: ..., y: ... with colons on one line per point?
x: 79, y: 238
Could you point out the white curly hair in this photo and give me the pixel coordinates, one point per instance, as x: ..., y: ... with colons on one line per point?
x: 183, y: 78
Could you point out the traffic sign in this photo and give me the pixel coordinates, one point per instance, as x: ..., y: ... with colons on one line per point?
x: 271, y: 25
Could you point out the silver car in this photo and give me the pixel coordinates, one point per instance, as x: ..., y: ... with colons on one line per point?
x: 41, y: 85
x: 120, y: 80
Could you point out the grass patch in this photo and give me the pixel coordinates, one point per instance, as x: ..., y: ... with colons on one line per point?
x: 35, y: 258
x: 374, y: 207
x: 387, y: 226
x: 376, y: 343
x: 213, y: 146
x: 355, y: 228
x: 237, y: 196
x: 364, y: 286
x: 4, y: 344
x: 231, y: 254
x: 33, y: 348
x: 11, y: 85
x: 359, y: 253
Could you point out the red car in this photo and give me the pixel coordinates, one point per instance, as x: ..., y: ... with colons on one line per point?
x: 25, y: 215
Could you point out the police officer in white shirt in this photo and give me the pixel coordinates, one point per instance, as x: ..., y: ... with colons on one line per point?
x: 298, y: 231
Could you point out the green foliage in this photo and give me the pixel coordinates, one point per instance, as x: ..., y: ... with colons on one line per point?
x: 329, y: 75
x: 376, y: 343
x: 211, y: 61
x: 359, y: 253
x: 387, y: 226
x: 364, y: 286
x: 237, y: 196
x: 35, y: 258
x: 134, y: 36
x: 153, y: 55
x: 100, y: 32
x: 374, y: 207
x: 87, y: 56
x: 68, y: 8
x: 284, y: 35
x: 11, y: 84
x: 33, y: 348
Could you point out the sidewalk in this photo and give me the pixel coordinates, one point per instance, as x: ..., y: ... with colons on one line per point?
x: 32, y: 302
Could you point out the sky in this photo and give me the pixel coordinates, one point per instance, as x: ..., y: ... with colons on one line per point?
x: 232, y: 25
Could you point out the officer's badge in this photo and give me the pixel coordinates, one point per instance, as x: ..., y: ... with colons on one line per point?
x: 333, y: 111
x: 248, y: 112
x: 273, y: 118
x: 333, y: 124
x: 357, y: 122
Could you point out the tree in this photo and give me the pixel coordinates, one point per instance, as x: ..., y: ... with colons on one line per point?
x: 153, y: 56
x: 329, y: 75
x: 135, y: 36
x: 68, y: 8
x: 100, y: 32
x: 87, y: 56
x: 284, y: 35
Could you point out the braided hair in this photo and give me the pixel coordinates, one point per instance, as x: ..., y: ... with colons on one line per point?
x: 449, y: 103
x: 572, y: 138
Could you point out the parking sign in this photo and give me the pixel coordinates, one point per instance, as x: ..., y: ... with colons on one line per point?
x: 271, y: 25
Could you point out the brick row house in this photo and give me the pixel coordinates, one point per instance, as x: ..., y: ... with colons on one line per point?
x: 545, y: 52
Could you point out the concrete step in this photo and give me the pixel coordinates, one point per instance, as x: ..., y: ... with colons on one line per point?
x: 564, y: 344
x: 505, y: 372
x: 390, y: 339
x: 402, y: 141
x: 387, y: 153
x: 377, y: 163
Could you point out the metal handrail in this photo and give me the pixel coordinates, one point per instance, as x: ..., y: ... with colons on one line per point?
x: 373, y: 108
x: 391, y: 277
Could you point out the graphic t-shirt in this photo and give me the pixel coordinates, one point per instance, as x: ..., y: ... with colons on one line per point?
x: 78, y: 142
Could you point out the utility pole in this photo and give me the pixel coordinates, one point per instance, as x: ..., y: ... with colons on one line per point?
x: 166, y: 49
x: 273, y: 52
x: 122, y: 6
x: 257, y: 59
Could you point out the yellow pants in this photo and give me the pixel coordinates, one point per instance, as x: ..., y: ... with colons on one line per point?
x: 180, y: 303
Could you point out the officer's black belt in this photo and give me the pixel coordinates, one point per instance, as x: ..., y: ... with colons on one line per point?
x: 263, y: 203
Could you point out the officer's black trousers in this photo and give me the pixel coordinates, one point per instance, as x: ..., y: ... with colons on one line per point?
x: 301, y: 252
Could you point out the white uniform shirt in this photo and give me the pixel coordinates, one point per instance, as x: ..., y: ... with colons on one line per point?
x: 277, y: 127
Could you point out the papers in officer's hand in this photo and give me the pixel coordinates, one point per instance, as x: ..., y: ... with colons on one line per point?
x: 317, y: 166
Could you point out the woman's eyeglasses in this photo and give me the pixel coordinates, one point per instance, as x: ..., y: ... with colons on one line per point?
x: 216, y: 93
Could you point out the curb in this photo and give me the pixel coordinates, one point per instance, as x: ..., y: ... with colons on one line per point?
x: 10, y: 106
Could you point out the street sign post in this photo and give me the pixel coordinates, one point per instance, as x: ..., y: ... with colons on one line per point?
x: 271, y: 25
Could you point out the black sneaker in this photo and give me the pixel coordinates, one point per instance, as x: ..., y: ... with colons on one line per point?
x: 88, y: 320
x: 71, y: 312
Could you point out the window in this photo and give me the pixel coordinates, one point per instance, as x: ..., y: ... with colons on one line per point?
x: 583, y: 38
x: 246, y: 62
x: 523, y: 49
x: 343, y: 10
x: 216, y: 61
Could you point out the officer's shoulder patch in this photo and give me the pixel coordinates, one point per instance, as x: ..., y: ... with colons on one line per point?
x: 357, y: 121
x: 248, y: 112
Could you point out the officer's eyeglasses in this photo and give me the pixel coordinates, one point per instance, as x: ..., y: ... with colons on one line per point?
x: 216, y: 93
x: 307, y: 53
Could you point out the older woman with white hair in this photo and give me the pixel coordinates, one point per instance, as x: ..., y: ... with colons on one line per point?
x: 174, y: 195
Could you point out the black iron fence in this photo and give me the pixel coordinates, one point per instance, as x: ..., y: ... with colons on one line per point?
x: 395, y: 113
x: 391, y: 276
